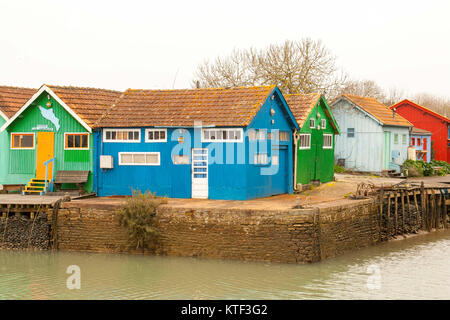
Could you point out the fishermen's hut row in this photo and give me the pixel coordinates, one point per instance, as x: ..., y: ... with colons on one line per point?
x: 222, y: 143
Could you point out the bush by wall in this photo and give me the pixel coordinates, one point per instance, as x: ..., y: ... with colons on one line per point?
x: 138, y: 216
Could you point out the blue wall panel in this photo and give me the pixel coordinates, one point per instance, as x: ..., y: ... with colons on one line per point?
x: 232, y: 174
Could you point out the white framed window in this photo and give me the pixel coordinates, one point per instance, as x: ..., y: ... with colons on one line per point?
x: 260, y: 158
x: 275, y: 160
x: 350, y: 132
x: 283, y: 136
x: 155, y: 135
x: 22, y: 140
x: 76, y: 141
x: 323, y: 123
x: 222, y: 135
x: 139, y: 159
x: 304, y: 141
x: 122, y: 135
x: 180, y: 159
x: 327, y: 141
x: 259, y: 134
x: 312, y: 123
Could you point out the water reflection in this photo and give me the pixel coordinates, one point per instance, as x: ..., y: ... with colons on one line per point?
x: 415, y: 268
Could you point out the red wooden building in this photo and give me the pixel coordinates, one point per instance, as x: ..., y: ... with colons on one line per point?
x: 429, y: 120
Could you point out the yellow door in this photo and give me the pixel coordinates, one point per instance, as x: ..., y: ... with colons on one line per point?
x: 45, y: 142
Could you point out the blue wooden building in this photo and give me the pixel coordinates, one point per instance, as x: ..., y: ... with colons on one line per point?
x: 373, y: 137
x: 222, y: 143
x: 421, y: 142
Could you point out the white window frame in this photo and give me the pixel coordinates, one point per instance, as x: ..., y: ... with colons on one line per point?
x: 313, y: 125
x: 323, y: 123
x: 309, y: 141
x: 258, y: 157
x: 147, y: 140
x: 180, y: 163
x: 241, y: 131
x: 78, y: 133
x: 354, y: 133
x: 331, y: 140
x: 19, y: 133
x: 121, y: 141
x: 139, y: 164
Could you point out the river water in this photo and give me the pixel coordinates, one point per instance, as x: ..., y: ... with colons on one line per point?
x: 414, y: 268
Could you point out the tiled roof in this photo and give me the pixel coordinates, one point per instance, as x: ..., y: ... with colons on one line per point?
x: 434, y: 113
x: 13, y: 98
x: 88, y: 103
x: 215, y: 106
x: 378, y: 110
x: 419, y: 131
x: 301, y: 105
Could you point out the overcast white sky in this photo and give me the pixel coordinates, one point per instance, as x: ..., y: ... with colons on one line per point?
x: 146, y: 44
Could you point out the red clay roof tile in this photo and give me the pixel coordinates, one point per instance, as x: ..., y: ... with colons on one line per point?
x: 214, y: 106
x: 13, y: 98
x: 377, y: 110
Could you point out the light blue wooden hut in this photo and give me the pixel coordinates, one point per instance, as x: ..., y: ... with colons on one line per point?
x: 373, y: 138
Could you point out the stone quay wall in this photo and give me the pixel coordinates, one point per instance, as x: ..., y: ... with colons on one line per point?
x: 288, y: 236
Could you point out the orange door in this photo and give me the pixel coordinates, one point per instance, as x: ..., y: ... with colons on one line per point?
x: 45, y: 142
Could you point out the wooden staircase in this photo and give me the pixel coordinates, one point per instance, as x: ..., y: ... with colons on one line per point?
x: 392, y: 174
x: 35, y: 186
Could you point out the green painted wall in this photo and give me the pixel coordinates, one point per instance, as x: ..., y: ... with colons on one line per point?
x: 21, y: 164
x: 3, y: 151
x: 316, y: 163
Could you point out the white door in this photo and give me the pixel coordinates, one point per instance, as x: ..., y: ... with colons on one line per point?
x: 200, y: 173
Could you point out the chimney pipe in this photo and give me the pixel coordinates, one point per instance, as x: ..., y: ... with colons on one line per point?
x: 393, y: 112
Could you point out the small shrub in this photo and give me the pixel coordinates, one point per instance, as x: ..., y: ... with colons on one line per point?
x: 413, y: 171
x: 138, y: 216
x: 338, y: 169
x: 445, y: 165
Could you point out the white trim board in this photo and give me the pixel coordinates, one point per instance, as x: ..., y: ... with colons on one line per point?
x: 3, y: 115
x: 34, y: 97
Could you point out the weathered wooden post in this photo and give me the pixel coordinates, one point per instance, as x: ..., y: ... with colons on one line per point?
x: 409, y: 207
x: 396, y: 213
x: 423, y: 204
x: 417, y: 208
x: 433, y: 209
x: 388, y: 215
x: 403, y: 212
x: 381, y: 208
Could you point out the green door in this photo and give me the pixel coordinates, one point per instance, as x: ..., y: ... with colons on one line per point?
x: 317, y: 164
x: 386, y: 150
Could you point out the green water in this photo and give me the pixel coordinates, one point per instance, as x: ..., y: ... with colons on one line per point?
x: 414, y: 268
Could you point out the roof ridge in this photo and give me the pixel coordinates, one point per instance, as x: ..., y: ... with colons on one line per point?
x: 15, y: 87
x: 428, y: 109
x: 107, y: 112
x: 76, y: 87
x: 211, y: 88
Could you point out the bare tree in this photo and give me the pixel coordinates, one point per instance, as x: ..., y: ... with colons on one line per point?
x: 438, y: 104
x: 364, y: 88
x: 303, y: 66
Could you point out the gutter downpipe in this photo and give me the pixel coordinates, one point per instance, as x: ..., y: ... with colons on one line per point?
x: 295, y: 136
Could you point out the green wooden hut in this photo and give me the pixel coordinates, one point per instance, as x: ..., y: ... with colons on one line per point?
x: 11, y: 100
x: 52, y: 131
x: 314, y: 141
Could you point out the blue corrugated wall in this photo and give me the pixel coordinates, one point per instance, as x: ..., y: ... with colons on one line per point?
x: 239, y: 180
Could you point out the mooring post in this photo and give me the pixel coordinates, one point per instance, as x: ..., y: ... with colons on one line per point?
x: 403, y: 211
x: 381, y: 208
x: 433, y: 209
x: 388, y: 227
x: 417, y: 208
x: 422, y: 203
x: 396, y: 212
